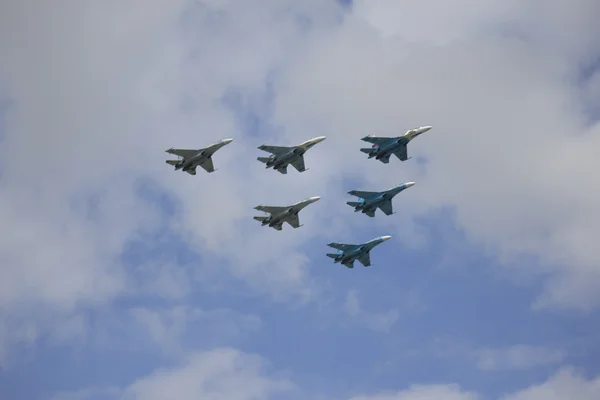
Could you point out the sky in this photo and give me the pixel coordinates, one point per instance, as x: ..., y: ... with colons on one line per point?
x: 123, y: 279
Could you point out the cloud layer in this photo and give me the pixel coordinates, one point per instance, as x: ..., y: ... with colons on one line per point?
x: 97, y: 225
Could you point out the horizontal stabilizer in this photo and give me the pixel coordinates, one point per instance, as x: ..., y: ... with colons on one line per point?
x: 367, y: 150
x: 263, y: 159
x: 353, y: 203
x: 331, y: 255
x: 260, y: 219
x: 172, y: 162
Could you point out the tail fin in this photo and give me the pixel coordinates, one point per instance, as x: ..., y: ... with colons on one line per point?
x: 172, y: 162
x: 260, y: 219
x: 367, y: 150
x: 353, y: 203
x: 331, y: 255
x: 263, y: 159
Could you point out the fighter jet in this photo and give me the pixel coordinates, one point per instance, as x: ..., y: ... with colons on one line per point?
x: 190, y: 159
x: 384, y: 147
x: 348, y: 253
x: 281, y: 157
x: 288, y: 214
x: 371, y: 201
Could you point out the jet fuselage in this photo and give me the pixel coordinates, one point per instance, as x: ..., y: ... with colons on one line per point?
x: 279, y: 160
x: 351, y: 255
x: 191, y: 162
x: 393, y: 144
x: 293, y: 210
x: 372, y: 203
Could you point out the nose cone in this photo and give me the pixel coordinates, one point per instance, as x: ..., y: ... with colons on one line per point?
x: 409, y: 184
x: 319, y: 139
x: 226, y: 141
x: 314, y: 198
x: 384, y: 238
x: 424, y: 129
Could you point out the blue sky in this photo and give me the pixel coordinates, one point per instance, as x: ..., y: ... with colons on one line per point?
x: 117, y: 267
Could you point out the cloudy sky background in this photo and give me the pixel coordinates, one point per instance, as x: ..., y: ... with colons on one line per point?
x: 121, y: 279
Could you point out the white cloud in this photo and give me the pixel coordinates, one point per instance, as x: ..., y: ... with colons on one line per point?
x: 98, y: 92
x: 377, y: 321
x: 510, y: 151
x: 519, y: 357
x: 167, y: 327
x: 218, y: 374
x: 566, y: 384
x: 226, y: 373
x: 424, y: 392
x: 101, y: 89
x: 222, y: 373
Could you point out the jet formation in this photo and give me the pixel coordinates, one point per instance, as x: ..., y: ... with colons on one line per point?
x: 281, y: 157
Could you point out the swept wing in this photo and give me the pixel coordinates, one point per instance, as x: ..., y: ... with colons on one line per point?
x: 401, y: 153
x: 385, y: 159
x: 386, y: 207
x: 365, y: 259
x: 185, y: 153
x: 298, y: 163
x: 342, y: 246
x: 271, y: 209
x: 274, y: 149
x: 362, y: 194
x: 207, y: 164
x: 294, y: 221
x: 375, y: 139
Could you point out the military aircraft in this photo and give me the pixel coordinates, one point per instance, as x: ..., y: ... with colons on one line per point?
x: 371, y: 201
x: 190, y: 159
x: 288, y: 214
x: 384, y: 147
x: 348, y: 253
x: 281, y: 157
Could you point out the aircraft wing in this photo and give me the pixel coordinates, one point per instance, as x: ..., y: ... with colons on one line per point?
x: 349, y: 264
x: 271, y: 209
x: 278, y: 227
x: 365, y: 260
x: 191, y: 171
x: 370, y: 213
x: 294, y: 221
x: 274, y: 149
x: 385, y: 159
x: 401, y: 153
x: 185, y: 153
x: 283, y: 169
x: 375, y: 139
x: 207, y: 164
x: 362, y: 194
x: 298, y: 163
x: 386, y: 207
x: 343, y: 247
